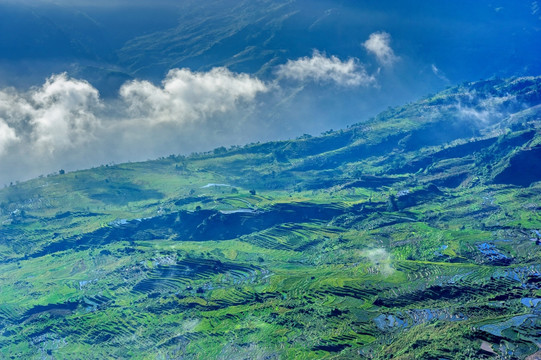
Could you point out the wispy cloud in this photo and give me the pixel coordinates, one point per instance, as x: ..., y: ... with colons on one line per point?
x: 438, y: 73
x: 481, y: 110
x: 379, y: 44
x: 380, y: 259
x: 475, y: 116
x: 324, y: 69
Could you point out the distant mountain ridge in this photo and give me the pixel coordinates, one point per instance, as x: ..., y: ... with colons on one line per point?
x: 146, y: 40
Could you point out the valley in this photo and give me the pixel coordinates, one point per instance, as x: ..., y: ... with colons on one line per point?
x: 412, y: 235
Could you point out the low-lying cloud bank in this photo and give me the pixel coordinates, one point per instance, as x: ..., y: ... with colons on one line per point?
x: 65, y: 124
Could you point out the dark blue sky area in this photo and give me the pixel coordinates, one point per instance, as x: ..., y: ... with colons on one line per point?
x: 466, y: 40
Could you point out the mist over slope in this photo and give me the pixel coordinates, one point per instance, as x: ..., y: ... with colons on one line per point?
x: 414, y: 234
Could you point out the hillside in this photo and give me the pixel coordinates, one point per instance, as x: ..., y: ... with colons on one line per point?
x: 413, y: 235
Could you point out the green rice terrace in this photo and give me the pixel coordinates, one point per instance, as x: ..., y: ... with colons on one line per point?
x: 412, y: 235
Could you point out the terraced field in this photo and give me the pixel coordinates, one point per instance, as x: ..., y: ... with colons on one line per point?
x: 362, y: 243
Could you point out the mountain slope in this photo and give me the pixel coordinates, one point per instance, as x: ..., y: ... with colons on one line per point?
x: 412, y: 235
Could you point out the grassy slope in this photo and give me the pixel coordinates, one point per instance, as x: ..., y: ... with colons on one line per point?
x: 406, y: 236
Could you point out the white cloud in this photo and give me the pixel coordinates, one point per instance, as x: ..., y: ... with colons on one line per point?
x: 58, y: 115
x: 7, y: 136
x: 187, y: 96
x: 378, y: 43
x: 321, y: 68
x: 64, y: 113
